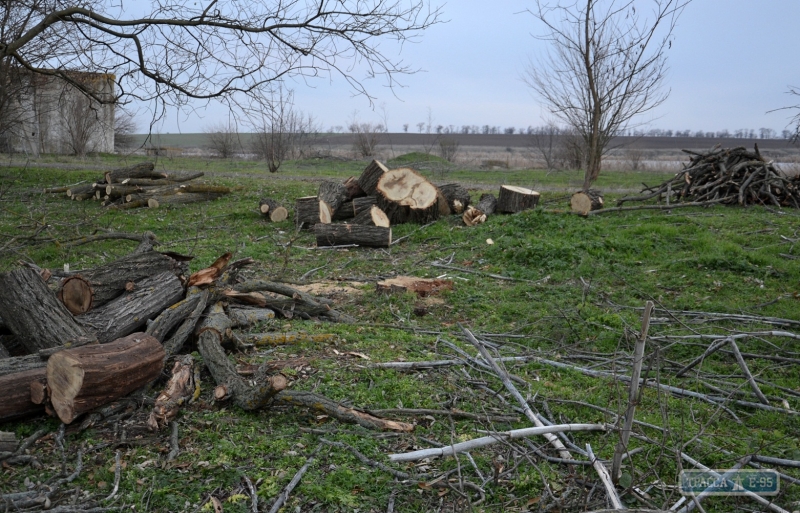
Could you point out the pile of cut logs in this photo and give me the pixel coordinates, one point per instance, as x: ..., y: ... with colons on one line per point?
x: 731, y: 176
x: 381, y: 198
x: 71, y: 342
x: 141, y: 185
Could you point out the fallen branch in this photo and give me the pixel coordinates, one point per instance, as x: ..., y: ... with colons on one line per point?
x: 655, y: 207
x: 281, y: 500
x: 605, y: 478
x: 747, y: 373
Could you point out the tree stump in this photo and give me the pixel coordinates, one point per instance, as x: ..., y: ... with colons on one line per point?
x: 372, y: 217
x: 362, y: 204
x: 583, y: 202
x: 331, y: 196
x: 32, y: 312
x: 516, y: 199
x: 84, y: 378
x: 360, y: 235
x: 273, y: 210
x: 368, y: 181
x: 406, y: 196
x: 353, y: 189
x: 457, y: 197
x: 309, y: 211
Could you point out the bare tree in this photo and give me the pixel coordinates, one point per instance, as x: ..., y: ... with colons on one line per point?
x: 231, y: 50
x: 606, y: 65
x: 124, y: 127
x: 281, y: 132
x: 366, y: 136
x: 448, y: 148
x: 223, y: 139
x: 81, y: 124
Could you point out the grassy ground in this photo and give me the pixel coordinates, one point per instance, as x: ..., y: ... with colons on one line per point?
x: 573, y: 289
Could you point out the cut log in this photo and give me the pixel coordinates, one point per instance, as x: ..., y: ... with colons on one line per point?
x: 111, y: 280
x: 331, y: 196
x: 420, y: 286
x: 368, y: 181
x: 143, y: 170
x: 362, y: 204
x: 76, y: 294
x: 516, y: 199
x: 80, y: 190
x: 84, y: 378
x: 179, y: 390
x: 583, y: 202
x: 372, y: 217
x: 8, y: 442
x: 308, y: 211
x: 16, y: 389
x: 158, y: 182
x: 353, y: 189
x: 245, y: 317
x: 181, y: 199
x: 130, y: 312
x: 406, y: 196
x: 32, y: 312
x: 477, y: 214
x: 457, y: 197
x: 272, y: 210
x: 487, y: 204
x: 344, y: 212
x: 114, y: 191
x: 360, y: 235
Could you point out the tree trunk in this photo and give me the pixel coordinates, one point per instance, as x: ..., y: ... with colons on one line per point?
x: 308, y: 211
x: 360, y: 235
x: 372, y: 217
x: 368, y: 181
x: 583, y: 202
x: 331, y: 196
x: 516, y: 199
x: 487, y: 204
x: 406, y: 196
x: 143, y: 170
x: 148, y: 298
x: 344, y: 212
x: 362, y: 204
x: 82, y: 379
x: 353, y: 189
x: 32, y: 312
x: 111, y: 280
x: 16, y: 389
x: 457, y: 197
x: 273, y: 210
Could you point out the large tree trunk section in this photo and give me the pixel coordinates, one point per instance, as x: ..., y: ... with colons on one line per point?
x: 331, y: 196
x: 360, y: 235
x: 273, y: 210
x: 583, y: 202
x: 362, y: 204
x: 368, y: 181
x: 405, y: 195
x: 344, y: 212
x: 516, y: 199
x: 130, y: 312
x: 457, y: 197
x: 477, y: 214
x: 82, y: 379
x: 143, y: 170
x: 308, y: 211
x: 353, y: 189
x: 211, y: 333
x: 372, y: 217
x: 32, y: 312
x: 16, y: 389
x: 111, y: 280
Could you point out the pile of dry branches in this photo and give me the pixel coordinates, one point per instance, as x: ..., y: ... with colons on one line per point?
x: 733, y: 176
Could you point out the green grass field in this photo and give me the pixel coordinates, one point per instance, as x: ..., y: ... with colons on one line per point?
x: 572, y: 292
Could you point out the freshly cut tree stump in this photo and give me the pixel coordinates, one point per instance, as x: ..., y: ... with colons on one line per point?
x: 309, y: 211
x: 331, y: 196
x: 457, y: 197
x: 84, y: 378
x: 353, y: 189
x: 273, y: 210
x: 583, y: 202
x: 16, y: 389
x: 143, y: 170
x: 362, y: 204
x: 344, y: 212
x: 148, y: 298
x: 420, y: 286
x: 372, y: 217
x: 406, y: 196
x: 368, y: 181
x: 76, y: 294
x: 360, y: 235
x: 32, y: 312
x: 516, y: 199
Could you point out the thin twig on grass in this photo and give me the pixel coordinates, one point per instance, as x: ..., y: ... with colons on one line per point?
x: 747, y: 373
x: 605, y: 478
x: 284, y: 495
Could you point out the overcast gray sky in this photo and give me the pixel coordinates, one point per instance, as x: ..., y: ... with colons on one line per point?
x: 731, y: 62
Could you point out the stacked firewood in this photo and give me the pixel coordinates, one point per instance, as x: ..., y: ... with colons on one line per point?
x: 141, y: 185
x: 90, y: 338
x: 381, y: 198
x: 731, y: 176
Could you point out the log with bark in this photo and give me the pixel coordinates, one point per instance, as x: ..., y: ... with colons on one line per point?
x: 362, y: 204
x: 81, y: 379
x: 33, y: 314
x: 353, y: 189
x: 8, y: 441
x: 331, y: 196
x: 344, y: 212
x: 457, y: 197
x: 368, y: 181
x: 142, y: 170
x: 356, y: 234
x: 514, y: 199
x: 477, y: 214
x: 372, y: 217
x: 16, y: 389
x: 406, y: 196
x: 272, y: 210
x: 583, y: 202
x: 309, y: 211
